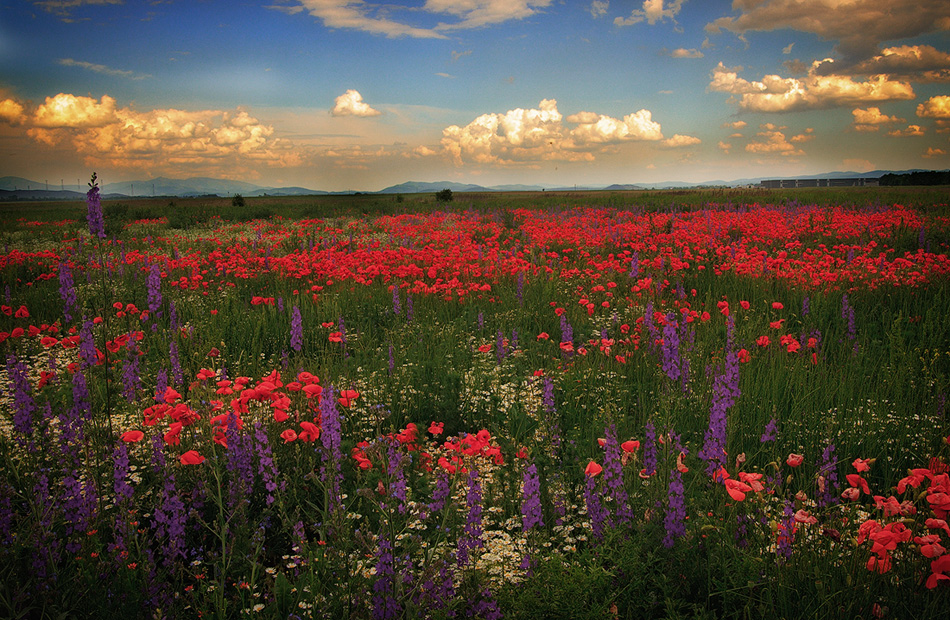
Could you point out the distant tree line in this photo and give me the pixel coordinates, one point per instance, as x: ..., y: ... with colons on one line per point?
x: 931, y: 177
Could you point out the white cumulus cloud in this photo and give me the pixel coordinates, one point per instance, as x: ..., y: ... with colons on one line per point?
x: 351, y: 103
x: 653, y: 11
x: 539, y: 134
x: 774, y: 93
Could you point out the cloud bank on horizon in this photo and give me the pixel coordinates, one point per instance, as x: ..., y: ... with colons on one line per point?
x: 337, y: 94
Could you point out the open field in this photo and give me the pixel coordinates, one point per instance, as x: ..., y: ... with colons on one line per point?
x: 691, y: 404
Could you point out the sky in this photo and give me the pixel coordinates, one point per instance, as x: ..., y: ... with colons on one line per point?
x: 361, y: 95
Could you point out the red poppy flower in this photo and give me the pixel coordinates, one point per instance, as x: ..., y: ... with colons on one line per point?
x: 311, y: 432
x: 336, y: 337
x: 630, y: 446
x: 132, y: 436
x: 191, y: 458
x: 592, y: 469
x: 22, y: 313
x: 289, y: 435
x: 436, y: 428
x: 794, y: 460
x: 777, y: 305
x: 347, y: 397
x: 737, y: 489
x: 762, y: 341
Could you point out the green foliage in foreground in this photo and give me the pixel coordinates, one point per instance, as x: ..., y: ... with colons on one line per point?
x: 291, y: 552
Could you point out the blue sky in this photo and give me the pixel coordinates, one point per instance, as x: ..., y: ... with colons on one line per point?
x: 361, y: 95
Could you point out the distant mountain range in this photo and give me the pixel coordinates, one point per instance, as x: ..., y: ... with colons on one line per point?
x: 18, y: 188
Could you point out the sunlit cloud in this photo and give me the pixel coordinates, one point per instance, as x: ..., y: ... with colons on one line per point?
x: 871, y: 119
x: 936, y: 107
x: 773, y: 141
x: 735, y: 124
x: 225, y: 143
x: 686, y: 53
x: 916, y: 63
x: 912, y: 131
x: 351, y: 103
x: 103, y: 69
x: 542, y: 134
x: 774, y: 93
x: 807, y: 136
x: 11, y: 111
x: 934, y: 153
x: 653, y: 11
x: 859, y: 26
x: 478, y: 13
x: 376, y: 18
x: 71, y: 112
x: 679, y: 140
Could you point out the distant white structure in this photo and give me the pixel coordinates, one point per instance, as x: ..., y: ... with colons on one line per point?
x: 846, y: 182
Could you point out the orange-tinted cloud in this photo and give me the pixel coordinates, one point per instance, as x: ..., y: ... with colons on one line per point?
x: 774, y: 93
x: 543, y: 134
x: 227, y: 143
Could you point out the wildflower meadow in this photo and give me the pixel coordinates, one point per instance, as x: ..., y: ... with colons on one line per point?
x: 626, y: 405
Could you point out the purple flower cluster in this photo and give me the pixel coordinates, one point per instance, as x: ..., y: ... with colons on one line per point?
x: 670, y: 352
x: 154, y: 284
x: 847, y: 314
x: 531, y: 502
x: 266, y: 466
x: 87, y: 346
x: 23, y: 404
x: 397, y: 305
x: 786, y: 535
x: 567, y: 332
x: 613, y: 476
x: 554, y: 431
x: 331, y: 473
x: 725, y: 393
x: 442, y: 492
x: 97, y: 225
x: 385, y: 605
x: 472, y: 533
x: 595, y: 509
x: 296, y: 330
x: 649, y: 449
x: 771, y: 431
x: 634, y: 265
x: 827, y: 477
x: 178, y: 377
x: 675, y: 520
x: 397, y: 478
x: 170, y: 519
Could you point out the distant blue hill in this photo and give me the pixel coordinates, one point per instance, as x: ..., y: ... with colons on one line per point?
x: 19, y: 188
